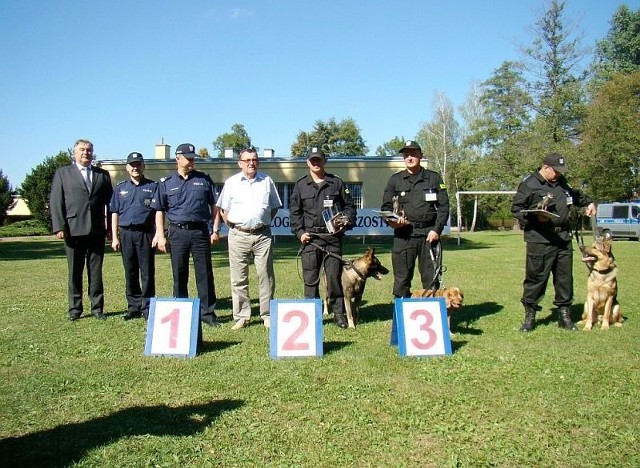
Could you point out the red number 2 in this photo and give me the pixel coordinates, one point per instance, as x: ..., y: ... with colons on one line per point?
x: 426, y: 327
x: 173, y: 331
x: 290, y: 344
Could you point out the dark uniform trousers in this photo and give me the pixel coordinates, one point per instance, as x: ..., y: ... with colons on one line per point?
x: 403, y: 258
x: 312, y: 262
x: 138, y: 258
x: 543, y: 259
x: 79, y: 249
x: 196, y: 241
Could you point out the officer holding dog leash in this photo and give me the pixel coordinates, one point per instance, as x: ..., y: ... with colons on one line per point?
x: 547, y: 234
x: 423, y: 204
x: 313, y: 194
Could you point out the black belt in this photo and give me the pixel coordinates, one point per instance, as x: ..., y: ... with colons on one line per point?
x: 420, y: 225
x: 189, y: 226
x: 256, y: 230
x: 137, y: 227
x: 317, y: 230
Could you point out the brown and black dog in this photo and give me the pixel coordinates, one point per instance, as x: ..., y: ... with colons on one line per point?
x: 602, y: 285
x: 453, y: 298
x: 354, y: 279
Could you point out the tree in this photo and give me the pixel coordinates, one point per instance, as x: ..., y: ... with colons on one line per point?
x: 620, y: 50
x: 553, y: 62
x: 439, y: 138
x: 391, y: 147
x: 6, y: 198
x: 238, y: 139
x: 37, y: 186
x: 335, y: 138
x: 203, y: 152
x: 610, y: 157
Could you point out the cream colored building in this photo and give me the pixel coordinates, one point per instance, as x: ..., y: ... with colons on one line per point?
x: 366, y: 176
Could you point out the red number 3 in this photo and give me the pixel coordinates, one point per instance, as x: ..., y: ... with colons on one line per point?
x: 425, y: 327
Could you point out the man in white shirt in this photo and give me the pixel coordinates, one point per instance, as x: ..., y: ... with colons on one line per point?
x: 248, y: 202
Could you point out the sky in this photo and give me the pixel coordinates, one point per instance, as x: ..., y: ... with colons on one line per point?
x: 128, y: 75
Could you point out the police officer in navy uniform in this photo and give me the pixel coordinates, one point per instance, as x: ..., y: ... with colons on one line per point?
x: 548, y: 237
x: 421, y: 199
x: 312, y: 194
x: 132, y: 230
x: 188, y: 198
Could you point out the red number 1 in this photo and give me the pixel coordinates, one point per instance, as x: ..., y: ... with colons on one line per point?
x: 290, y: 344
x: 173, y: 331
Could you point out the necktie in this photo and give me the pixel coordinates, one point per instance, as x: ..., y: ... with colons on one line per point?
x: 86, y: 175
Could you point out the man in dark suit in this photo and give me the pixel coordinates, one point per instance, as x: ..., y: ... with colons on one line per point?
x: 80, y: 194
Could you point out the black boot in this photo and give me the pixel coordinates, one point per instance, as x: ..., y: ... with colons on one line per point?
x: 564, y: 319
x: 529, y: 319
x: 341, y: 320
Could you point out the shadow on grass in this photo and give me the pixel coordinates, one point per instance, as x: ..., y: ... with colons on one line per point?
x: 68, y: 443
x: 333, y: 346
x: 575, y: 310
x: 36, y: 249
x: 461, y: 322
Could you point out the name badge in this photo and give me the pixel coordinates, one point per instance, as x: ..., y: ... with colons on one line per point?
x: 430, y: 197
x: 569, y: 200
x: 328, y: 203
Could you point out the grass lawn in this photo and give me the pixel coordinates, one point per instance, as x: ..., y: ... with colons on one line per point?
x: 84, y: 394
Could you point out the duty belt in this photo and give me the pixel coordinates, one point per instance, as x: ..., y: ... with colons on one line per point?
x: 189, y: 225
x: 317, y: 230
x: 420, y: 225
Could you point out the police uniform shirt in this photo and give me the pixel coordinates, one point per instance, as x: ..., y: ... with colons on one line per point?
x: 186, y: 200
x: 422, y: 196
x: 248, y: 202
x: 309, y: 199
x: 531, y: 191
x: 132, y: 202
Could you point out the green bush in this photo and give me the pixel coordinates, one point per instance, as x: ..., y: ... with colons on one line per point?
x: 30, y: 227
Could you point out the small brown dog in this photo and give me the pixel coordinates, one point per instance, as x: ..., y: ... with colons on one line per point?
x: 453, y: 298
x: 602, y: 285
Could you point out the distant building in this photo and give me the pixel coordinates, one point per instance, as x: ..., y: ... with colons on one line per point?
x: 19, y: 212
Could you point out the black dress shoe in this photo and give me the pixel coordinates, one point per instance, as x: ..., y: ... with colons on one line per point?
x: 211, y: 321
x: 131, y: 315
x: 99, y: 315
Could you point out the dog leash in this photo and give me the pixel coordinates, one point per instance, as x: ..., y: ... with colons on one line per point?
x: 580, y: 239
x: 438, y: 268
x: 327, y: 254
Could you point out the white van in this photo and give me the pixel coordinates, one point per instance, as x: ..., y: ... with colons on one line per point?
x: 619, y: 219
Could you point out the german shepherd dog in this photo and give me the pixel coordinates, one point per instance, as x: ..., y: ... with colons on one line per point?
x: 453, y: 298
x: 602, y: 285
x: 354, y: 279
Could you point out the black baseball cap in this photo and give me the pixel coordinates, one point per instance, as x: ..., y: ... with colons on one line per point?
x: 135, y: 156
x: 556, y: 161
x: 410, y: 144
x: 187, y: 150
x: 315, y: 152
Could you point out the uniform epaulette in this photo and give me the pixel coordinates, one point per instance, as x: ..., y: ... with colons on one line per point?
x: 162, y: 179
x: 300, y: 178
x: 121, y: 182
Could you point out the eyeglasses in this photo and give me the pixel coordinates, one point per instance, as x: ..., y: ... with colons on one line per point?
x: 254, y: 161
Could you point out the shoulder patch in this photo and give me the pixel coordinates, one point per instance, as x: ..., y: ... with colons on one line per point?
x: 443, y: 186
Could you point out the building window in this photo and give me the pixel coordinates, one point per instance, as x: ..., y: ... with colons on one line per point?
x: 355, y: 189
x: 286, y: 189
